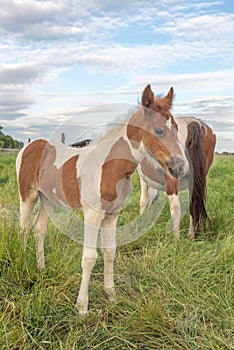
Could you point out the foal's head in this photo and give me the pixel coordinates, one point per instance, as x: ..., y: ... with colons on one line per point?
x: 154, y: 128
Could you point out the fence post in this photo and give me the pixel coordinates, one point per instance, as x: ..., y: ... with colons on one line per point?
x: 63, y: 137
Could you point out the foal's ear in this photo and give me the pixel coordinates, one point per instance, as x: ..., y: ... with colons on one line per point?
x: 167, y: 100
x: 147, y: 97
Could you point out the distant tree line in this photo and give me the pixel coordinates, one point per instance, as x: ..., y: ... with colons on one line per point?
x: 6, y: 141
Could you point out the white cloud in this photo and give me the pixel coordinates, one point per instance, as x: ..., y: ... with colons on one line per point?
x: 19, y: 74
x: 16, y: 14
x: 205, y: 27
x: 207, y: 83
x: 135, y: 43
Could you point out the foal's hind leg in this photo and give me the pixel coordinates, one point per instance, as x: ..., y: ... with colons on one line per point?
x: 143, y: 198
x: 191, y: 233
x: 148, y: 195
x: 108, y: 246
x: 26, y: 208
x: 40, y: 225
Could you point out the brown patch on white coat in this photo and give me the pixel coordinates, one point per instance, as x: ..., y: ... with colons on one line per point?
x: 116, y: 173
x: 38, y: 173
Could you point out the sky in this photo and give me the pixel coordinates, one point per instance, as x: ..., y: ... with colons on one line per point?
x: 59, y: 58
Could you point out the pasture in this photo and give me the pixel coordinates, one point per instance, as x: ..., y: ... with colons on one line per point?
x: 171, y: 294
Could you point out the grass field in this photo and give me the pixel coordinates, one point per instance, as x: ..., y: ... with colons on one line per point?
x: 171, y: 294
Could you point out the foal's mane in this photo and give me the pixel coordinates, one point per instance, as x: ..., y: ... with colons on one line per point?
x: 161, y: 103
x: 118, y: 124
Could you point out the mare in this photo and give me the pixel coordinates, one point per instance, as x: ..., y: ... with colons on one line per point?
x: 95, y: 179
x: 198, y: 141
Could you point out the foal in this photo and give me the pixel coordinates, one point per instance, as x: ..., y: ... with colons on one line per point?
x: 96, y: 179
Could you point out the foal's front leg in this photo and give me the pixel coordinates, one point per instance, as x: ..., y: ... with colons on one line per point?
x: 91, y: 229
x: 108, y: 246
x: 175, y: 210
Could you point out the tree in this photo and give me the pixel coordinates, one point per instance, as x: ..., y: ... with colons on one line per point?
x: 8, y: 141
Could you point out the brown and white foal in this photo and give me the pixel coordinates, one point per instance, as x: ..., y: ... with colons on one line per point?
x: 96, y: 179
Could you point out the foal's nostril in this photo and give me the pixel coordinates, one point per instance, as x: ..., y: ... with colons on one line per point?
x: 172, y: 167
x: 173, y: 172
x: 176, y: 166
x: 181, y: 169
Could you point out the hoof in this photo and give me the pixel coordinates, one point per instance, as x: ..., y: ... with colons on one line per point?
x: 41, y: 266
x: 82, y: 306
x: 111, y: 294
x: 191, y: 235
x: 82, y: 310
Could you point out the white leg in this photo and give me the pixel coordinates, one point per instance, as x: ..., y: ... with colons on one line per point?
x: 143, y: 198
x: 40, y: 225
x: 91, y: 229
x: 151, y: 195
x: 26, y: 209
x: 191, y: 228
x: 175, y: 210
x: 108, y: 245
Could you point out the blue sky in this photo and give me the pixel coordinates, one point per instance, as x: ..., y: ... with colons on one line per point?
x: 58, y: 58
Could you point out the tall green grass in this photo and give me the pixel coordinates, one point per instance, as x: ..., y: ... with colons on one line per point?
x: 171, y: 295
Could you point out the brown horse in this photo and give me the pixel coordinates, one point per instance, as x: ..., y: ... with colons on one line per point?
x: 96, y: 179
x: 198, y: 141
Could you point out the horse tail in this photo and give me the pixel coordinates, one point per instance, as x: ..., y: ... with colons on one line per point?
x: 197, y: 186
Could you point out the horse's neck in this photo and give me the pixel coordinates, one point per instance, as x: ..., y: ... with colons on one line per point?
x: 111, y: 135
x: 115, y: 149
x: 120, y: 144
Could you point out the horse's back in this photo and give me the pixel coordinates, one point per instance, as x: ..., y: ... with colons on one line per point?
x: 49, y: 168
x: 207, y: 135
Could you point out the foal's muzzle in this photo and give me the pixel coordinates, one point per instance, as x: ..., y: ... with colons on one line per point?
x: 176, y: 166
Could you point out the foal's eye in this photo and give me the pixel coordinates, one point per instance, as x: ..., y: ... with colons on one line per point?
x: 159, y: 132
